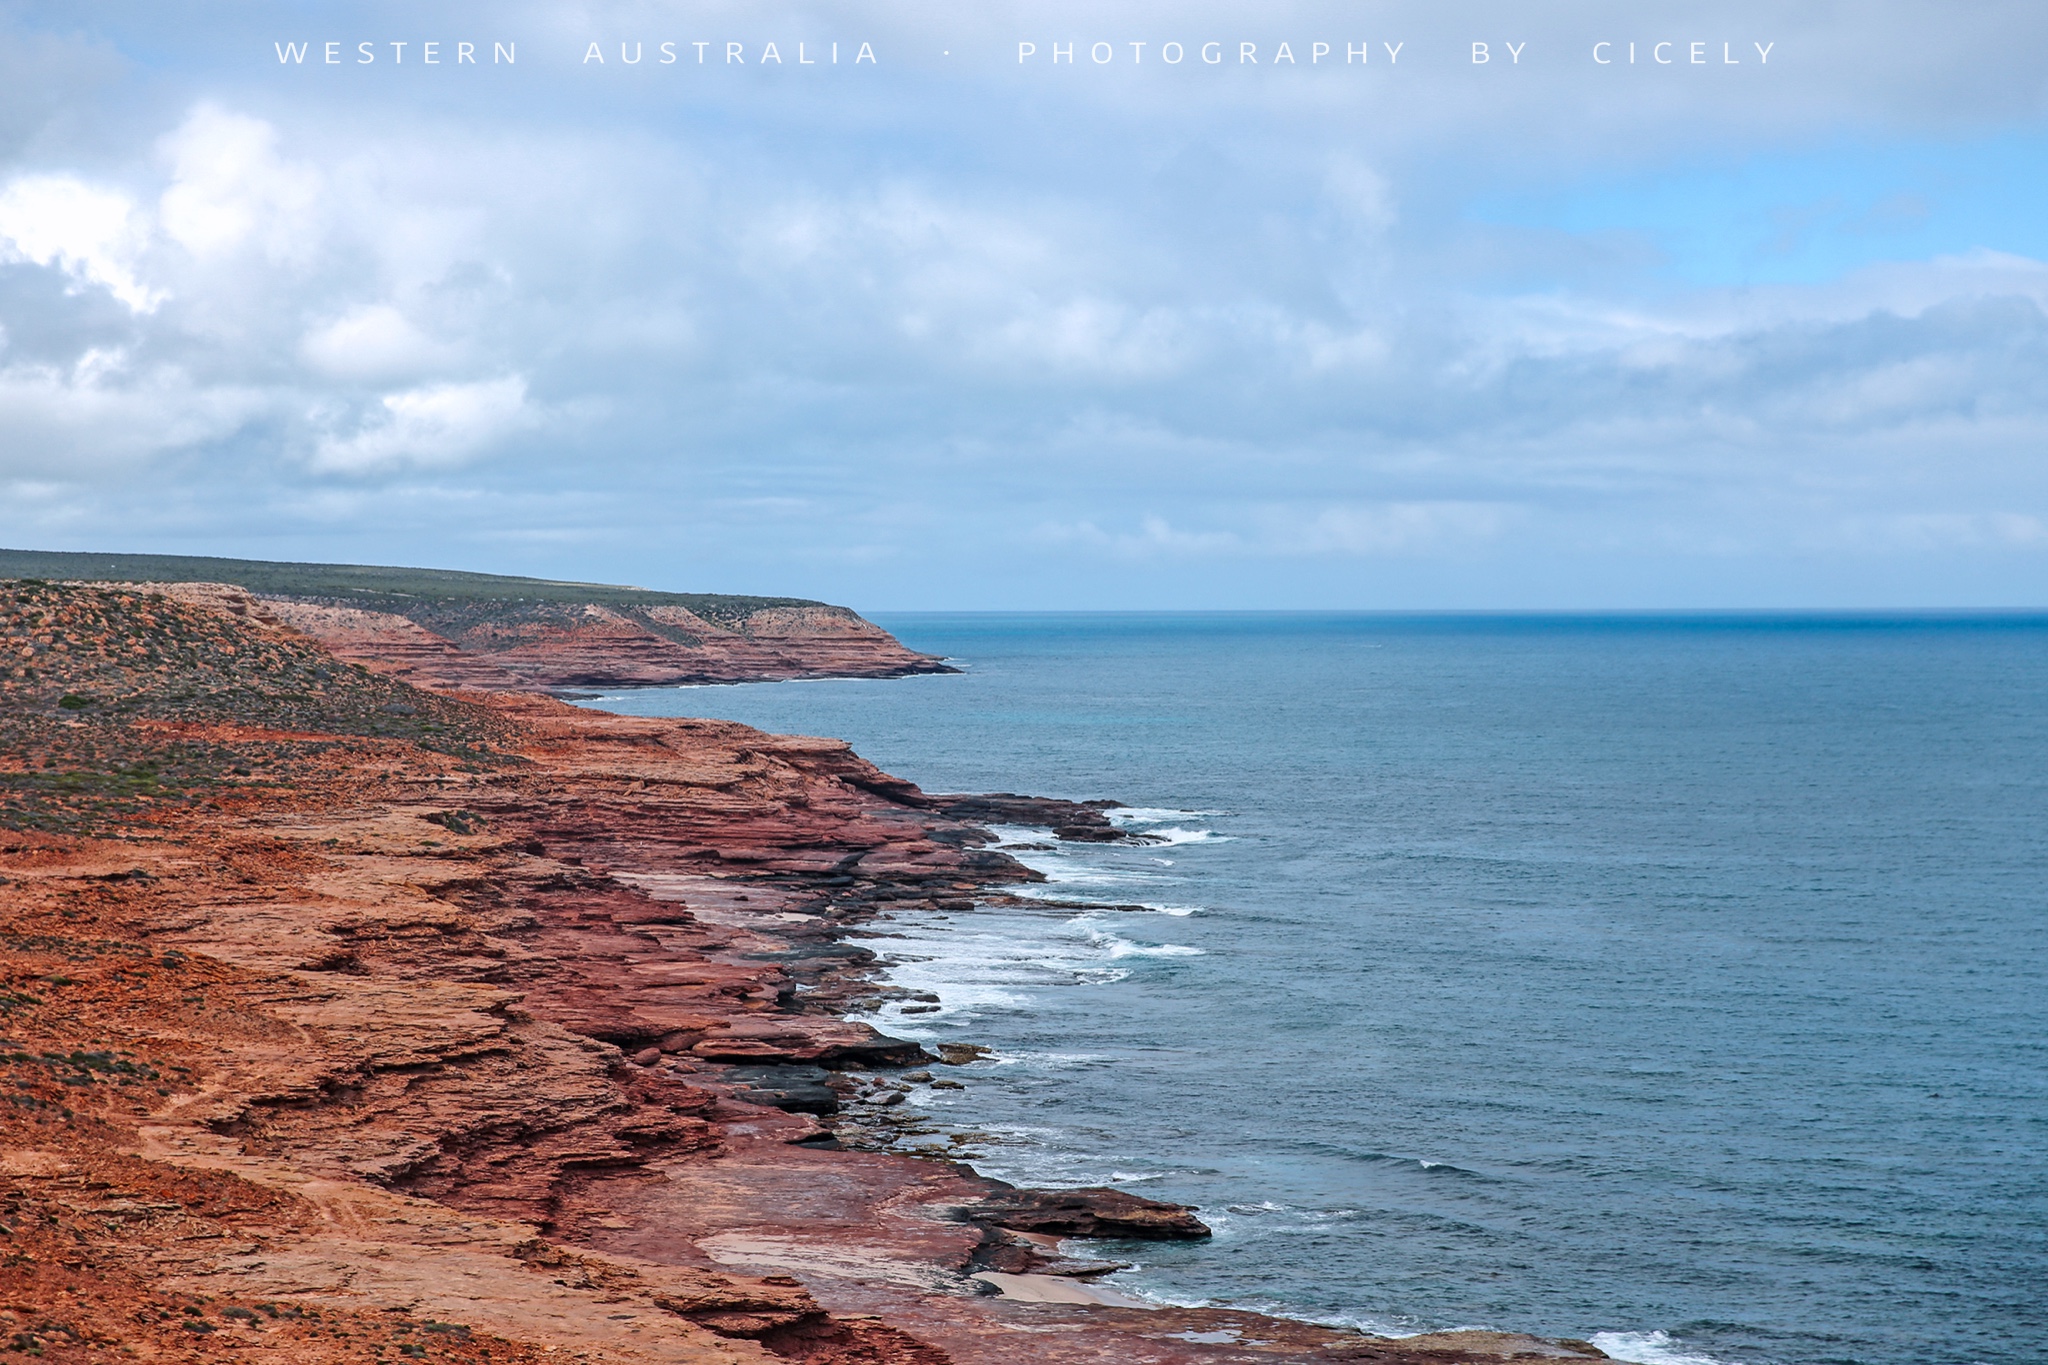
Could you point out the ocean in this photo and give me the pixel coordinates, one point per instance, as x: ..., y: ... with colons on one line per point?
x: 1676, y: 983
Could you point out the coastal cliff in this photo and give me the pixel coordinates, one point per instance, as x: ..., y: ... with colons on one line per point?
x: 439, y: 628
x: 363, y: 1021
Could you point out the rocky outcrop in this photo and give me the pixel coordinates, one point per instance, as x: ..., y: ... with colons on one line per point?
x: 1074, y: 821
x: 1087, y: 1213
x: 345, y: 1019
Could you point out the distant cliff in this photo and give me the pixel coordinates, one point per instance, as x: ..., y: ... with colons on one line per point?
x: 439, y: 628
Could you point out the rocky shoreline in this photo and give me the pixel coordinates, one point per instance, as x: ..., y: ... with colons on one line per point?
x: 361, y: 1021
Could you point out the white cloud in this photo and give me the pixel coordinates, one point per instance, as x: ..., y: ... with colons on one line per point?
x: 1361, y: 195
x: 435, y: 425
x: 94, y: 235
x: 1389, y: 528
x: 96, y: 415
x: 1327, y: 348
x: 1216, y: 324
x: 1155, y: 537
x: 1349, y: 530
x: 1937, y: 531
x: 229, y: 188
x: 1091, y: 336
x: 374, y: 341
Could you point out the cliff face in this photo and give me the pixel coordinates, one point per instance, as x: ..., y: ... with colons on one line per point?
x: 440, y: 628
x: 543, y: 647
x: 348, y: 1019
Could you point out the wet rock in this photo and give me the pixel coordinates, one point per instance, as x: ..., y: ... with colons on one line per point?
x: 1484, y: 1345
x: 826, y: 1042
x: 1096, y: 1212
x: 793, y: 1089
x: 1083, y: 1270
x: 1077, y: 821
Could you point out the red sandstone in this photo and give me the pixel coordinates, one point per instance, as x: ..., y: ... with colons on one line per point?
x: 600, y: 646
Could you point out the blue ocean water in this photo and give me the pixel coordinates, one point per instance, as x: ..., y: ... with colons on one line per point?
x: 1677, y: 983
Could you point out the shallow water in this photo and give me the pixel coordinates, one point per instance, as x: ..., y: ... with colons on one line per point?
x: 1677, y: 983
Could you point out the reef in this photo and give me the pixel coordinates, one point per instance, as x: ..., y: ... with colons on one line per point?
x: 355, y: 1020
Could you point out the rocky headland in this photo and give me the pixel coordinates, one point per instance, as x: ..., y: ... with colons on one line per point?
x: 348, y: 1019
x: 445, y: 629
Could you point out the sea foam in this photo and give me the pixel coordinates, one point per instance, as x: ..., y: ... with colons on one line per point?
x: 1651, y: 1348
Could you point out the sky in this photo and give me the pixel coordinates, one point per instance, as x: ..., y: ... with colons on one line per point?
x: 1493, y: 318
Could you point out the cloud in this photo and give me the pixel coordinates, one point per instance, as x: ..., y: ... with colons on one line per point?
x: 1924, y: 531
x: 1362, y: 197
x: 94, y: 235
x: 1347, y: 530
x: 1392, y: 528
x: 227, y: 189
x: 215, y: 261
x: 1225, y: 327
x: 100, y: 414
x: 1093, y: 336
x: 230, y: 189
x: 372, y: 341
x: 437, y: 426
x: 1154, y: 537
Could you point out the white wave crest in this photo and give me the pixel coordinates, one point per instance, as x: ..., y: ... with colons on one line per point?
x: 1175, y: 834
x: 1116, y: 946
x: 1080, y: 874
x: 1150, y: 815
x: 1651, y: 1348
x: 1126, y: 948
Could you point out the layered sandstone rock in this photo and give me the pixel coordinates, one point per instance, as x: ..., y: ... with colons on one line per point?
x: 554, y: 646
x: 444, y: 628
x: 1093, y: 1213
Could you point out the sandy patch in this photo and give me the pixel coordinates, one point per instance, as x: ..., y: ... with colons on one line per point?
x: 1057, y: 1289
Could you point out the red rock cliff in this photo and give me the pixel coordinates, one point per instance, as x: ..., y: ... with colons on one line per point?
x: 545, y: 647
x: 445, y: 628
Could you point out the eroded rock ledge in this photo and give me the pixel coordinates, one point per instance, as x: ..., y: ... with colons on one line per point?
x: 362, y: 1021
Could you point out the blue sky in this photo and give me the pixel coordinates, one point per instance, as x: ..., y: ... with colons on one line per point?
x: 963, y: 327
x: 1808, y: 216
